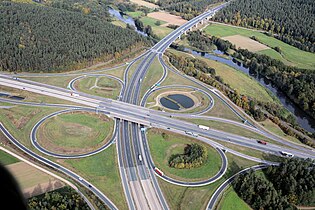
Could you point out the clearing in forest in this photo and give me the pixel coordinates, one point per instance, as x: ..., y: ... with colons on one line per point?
x: 167, y: 17
x: 246, y: 43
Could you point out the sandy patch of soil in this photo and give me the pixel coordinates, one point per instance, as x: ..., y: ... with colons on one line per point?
x: 144, y: 3
x: 169, y: 18
x: 246, y: 43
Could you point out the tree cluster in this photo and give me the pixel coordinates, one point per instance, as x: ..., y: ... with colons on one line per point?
x: 40, y: 38
x: 194, y: 156
x: 292, y: 21
x: 205, y: 43
x: 290, y: 184
x: 64, y: 198
x: 146, y: 29
x: 187, y: 9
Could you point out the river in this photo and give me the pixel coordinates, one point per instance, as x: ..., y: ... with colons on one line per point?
x: 302, y: 118
x: 125, y: 18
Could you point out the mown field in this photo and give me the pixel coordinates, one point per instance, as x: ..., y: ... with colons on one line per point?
x: 102, y: 171
x: 290, y: 54
x: 75, y: 132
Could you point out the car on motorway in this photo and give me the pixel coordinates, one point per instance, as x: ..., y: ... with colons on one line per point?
x: 80, y: 178
x: 262, y: 142
x: 140, y: 158
x: 90, y: 186
x: 286, y: 154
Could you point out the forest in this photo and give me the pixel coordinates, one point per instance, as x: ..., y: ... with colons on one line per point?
x: 291, y: 21
x: 40, y: 38
x: 286, y: 186
x: 187, y: 9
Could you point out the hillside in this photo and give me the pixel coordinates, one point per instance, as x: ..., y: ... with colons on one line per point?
x: 292, y: 21
x: 40, y: 38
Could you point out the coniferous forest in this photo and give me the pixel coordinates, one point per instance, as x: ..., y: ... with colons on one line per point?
x: 286, y: 186
x: 292, y: 21
x: 41, y: 38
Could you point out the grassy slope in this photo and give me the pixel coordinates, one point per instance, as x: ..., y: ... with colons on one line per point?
x: 6, y: 159
x: 56, y: 81
x: 240, y: 81
x: 298, y: 57
x: 154, y: 73
x: 161, y: 149
x: 232, y: 201
x: 102, y: 171
x: 230, y: 128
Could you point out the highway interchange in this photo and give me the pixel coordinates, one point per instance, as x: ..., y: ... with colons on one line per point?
x: 139, y: 179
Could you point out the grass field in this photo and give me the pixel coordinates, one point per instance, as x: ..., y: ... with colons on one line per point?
x: 154, y: 73
x: 230, y: 128
x: 33, y: 97
x: 56, y: 81
x: 270, y: 126
x: 102, y: 171
x: 75, y: 132
x: 293, y: 55
x: 20, y: 120
x: 6, y: 159
x: 135, y: 14
x: 119, y: 23
x: 187, y: 198
x: 100, y: 86
x: 253, y: 152
x: 231, y: 200
x: 160, y: 31
x: 161, y: 149
x: 240, y: 81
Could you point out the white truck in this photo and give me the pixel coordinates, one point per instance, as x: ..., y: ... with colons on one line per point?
x: 203, y: 127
